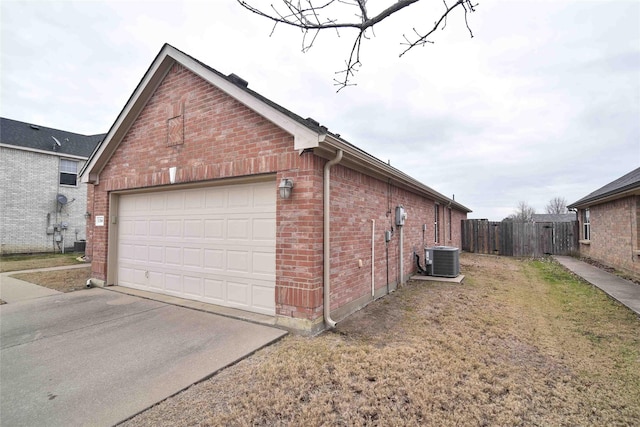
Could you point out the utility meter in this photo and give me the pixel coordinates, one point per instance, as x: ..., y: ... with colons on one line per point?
x: 401, y: 215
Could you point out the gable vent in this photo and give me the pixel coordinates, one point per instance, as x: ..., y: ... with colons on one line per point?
x: 238, y: 80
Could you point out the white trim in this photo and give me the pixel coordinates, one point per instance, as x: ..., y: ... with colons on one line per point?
x: 50, y: 153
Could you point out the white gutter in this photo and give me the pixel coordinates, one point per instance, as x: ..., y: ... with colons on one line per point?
x: 327, y: 240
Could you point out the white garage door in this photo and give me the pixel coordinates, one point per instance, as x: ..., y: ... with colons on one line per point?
x: 214, y: 244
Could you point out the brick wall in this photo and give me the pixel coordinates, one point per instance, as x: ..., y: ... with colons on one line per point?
x: 356, y: 200
x: 614, y: 234
x: 221, y: 138
x: 208, y: 135
x: 28, y: 199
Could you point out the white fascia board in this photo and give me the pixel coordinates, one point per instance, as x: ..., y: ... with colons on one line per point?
x: 303, y: 137
x: 49, y: 153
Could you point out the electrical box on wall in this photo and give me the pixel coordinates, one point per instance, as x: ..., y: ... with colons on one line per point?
x: 387, y: 236
x: 401, y: 215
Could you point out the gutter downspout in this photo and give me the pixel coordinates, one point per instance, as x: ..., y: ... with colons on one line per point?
x: 327, y: 239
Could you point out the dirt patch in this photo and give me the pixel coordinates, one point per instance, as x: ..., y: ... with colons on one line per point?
x: 61, y: 280
x: 522, y: 342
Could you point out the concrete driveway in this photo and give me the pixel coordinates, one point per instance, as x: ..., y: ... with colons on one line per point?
x: 97, y: 357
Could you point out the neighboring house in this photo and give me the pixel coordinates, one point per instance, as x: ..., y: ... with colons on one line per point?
x: 609, y: 219
x: 204, y: 189
x: 42, y: 202
x: 568, y: 217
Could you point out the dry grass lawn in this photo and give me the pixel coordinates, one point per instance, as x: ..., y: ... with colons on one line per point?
x: 61, y: 280
x: 28, y: 262
x: 522, y: 342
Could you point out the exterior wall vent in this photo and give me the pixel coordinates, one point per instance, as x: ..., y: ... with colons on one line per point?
x: 237, y: 80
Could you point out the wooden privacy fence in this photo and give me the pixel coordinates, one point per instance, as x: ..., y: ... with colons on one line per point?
x: 510, y: 238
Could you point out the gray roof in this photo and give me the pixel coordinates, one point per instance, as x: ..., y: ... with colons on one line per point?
x: 568, y: 217
x: 36, y: 137
x: 623, y: 184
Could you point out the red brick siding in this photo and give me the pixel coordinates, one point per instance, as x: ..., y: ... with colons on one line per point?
x: 614, y: 234
x: 356, y: 199
x: 222, y: 138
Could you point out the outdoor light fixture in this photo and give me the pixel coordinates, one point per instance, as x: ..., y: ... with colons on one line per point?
x: 286, y: 185
x: 87, y: 215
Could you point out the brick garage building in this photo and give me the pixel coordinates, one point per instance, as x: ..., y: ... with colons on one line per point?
x: 185, y: 198
x: 609, y: 218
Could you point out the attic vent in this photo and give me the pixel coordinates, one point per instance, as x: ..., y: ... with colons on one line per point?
x: 313, y: 121
x: 238, y: 80
x: 34, y: 127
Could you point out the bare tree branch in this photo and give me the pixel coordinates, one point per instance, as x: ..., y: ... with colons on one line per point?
x: 309, y: 16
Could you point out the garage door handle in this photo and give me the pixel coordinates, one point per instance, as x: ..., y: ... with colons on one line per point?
x: 146, y: 274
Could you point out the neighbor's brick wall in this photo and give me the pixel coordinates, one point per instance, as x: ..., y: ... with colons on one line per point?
x: 28, y: 203
x: 614, y: 234
x: 222, y: 139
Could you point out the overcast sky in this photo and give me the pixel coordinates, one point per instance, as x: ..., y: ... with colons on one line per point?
x: 543, y: 101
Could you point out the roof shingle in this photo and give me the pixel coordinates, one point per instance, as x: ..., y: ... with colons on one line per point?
x: 35, y: 137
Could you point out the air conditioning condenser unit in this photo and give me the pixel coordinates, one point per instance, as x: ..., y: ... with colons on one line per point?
x: 442, y: 261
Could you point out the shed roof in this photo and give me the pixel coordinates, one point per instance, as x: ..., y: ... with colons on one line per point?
x: 43, y: 139
x: 625, y: 185
x: 307, y: 133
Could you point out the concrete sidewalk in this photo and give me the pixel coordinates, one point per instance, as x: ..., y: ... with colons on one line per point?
x: 14, y: 290
x: 623, y: 291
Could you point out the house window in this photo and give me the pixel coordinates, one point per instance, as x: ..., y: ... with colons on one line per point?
x: 436, y: 213
x: 449, y: 215
x: 68, y: 172
x: 586, y: 225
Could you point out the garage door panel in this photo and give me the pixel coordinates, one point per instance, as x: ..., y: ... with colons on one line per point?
x: 238, y: 293
x: 262, y: 297
x: 173, y: 255
x: 214, y: 259
x: 240, y: 197
x: 238, y: 229
x: 215, y: 245
x: 214, y: 290
x: 156, y: 254
x: 263, y: 229
x: 173, y: 228
x: 173, y: 283
x: 141, y: 253
x: 191, y: 257
x: 264, y: 263
x: 192, y: 286
x: 238, y: 261
x: 264, y: 197
x: 214, y: 229
x: 174, y: 201
x: 156, y: 228
x: 193, y: 229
